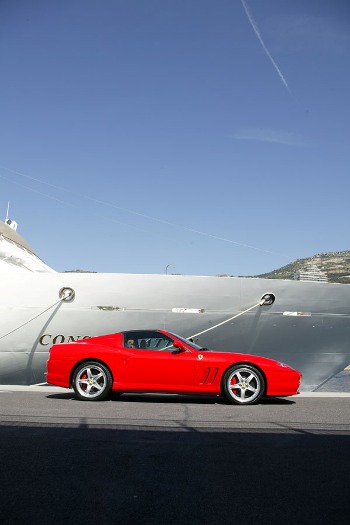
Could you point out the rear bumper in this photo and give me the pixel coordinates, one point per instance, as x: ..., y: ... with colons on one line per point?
x: 58, y: 372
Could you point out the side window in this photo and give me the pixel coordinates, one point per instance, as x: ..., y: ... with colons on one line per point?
x: 148, y: 340
x: 130, y: 342
x: 160, y: 342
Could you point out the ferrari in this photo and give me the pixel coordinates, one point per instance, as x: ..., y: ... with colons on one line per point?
x: 163, y: 362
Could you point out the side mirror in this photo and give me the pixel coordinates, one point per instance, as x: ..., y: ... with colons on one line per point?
x: 180, y: 347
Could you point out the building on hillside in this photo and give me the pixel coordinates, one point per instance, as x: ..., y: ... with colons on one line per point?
x: 311, y: 272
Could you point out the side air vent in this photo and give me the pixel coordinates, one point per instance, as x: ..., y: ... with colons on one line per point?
x: 209, y: 376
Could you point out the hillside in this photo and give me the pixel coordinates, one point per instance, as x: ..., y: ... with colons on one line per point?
x: 335, y: 264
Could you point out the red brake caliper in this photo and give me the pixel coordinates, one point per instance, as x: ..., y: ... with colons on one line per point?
x: 84, y: 376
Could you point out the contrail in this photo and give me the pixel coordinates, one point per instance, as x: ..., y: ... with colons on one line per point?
x: 257, y: 32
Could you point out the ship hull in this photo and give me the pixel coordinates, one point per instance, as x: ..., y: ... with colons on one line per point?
x: 307, y: 327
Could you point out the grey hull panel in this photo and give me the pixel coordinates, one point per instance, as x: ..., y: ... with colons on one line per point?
x: 308, y: 326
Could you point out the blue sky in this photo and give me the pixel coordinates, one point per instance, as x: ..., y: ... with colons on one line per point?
x: 209, y: 136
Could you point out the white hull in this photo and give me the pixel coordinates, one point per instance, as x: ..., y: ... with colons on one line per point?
x: 32, y: 317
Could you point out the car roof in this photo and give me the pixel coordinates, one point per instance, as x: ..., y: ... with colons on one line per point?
x: 140, y: 330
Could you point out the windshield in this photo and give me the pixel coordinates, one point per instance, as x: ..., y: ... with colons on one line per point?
x: 189, y: 343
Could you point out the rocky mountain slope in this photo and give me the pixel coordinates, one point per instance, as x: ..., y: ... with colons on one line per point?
x: 336, y: 265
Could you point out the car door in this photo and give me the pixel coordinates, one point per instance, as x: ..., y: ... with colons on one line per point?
x: 157, y: 369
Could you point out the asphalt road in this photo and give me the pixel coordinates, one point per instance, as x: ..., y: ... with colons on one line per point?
x: 172, y: 460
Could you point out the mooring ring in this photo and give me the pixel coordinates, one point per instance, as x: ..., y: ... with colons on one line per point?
x: 267, y: 299
x: 66, y: 294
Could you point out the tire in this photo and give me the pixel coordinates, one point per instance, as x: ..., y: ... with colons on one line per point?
x: 92, y: 381
x: 243, y: 385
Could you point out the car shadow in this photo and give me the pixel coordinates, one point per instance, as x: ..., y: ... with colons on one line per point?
x: 172, y: 398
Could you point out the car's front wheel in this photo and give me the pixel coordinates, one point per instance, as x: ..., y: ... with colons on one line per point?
x: 92, y: 381
x: 243, y: 385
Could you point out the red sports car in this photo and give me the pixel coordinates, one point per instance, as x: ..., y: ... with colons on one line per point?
x: 160, y: 361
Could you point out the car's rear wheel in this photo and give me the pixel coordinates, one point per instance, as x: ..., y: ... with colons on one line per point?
x: 243, y: 385
x: 92, y: 381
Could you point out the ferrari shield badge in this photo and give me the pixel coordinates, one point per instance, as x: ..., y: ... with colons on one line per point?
x: 200, y: 356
